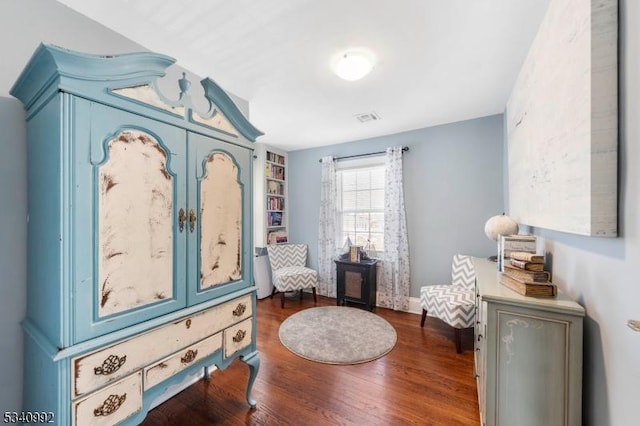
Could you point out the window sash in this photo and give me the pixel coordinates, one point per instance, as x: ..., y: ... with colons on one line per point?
x: 361, y: 203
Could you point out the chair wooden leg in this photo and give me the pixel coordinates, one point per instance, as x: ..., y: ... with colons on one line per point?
x: 282, y: 299
x: 458, y: 335
x: 424, y: 316
x: 301, y: 291
x: 315, y: 299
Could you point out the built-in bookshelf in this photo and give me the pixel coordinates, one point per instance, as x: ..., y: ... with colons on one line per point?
x: 275, y: 173
x: 271, y: 212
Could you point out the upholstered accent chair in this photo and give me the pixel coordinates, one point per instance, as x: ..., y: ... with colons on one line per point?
x: 452, y: 303
x: 289, y: 271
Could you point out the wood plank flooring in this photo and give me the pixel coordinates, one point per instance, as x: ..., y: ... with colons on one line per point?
x: 422, y: 381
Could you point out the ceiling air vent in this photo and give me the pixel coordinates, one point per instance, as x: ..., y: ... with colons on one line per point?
x: 368, y: 116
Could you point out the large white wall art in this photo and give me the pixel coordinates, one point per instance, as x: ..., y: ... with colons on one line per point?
x: 562, y: 122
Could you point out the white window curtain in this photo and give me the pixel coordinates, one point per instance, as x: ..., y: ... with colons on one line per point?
x: 395, y: 289
x: 327, y: 235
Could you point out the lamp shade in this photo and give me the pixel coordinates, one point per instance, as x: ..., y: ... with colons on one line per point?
x: 500, y: 225
x: 353, y: 65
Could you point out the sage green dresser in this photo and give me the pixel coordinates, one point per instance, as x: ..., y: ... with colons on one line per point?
x: 528, y: 355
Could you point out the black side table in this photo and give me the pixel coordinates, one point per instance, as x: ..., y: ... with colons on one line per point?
x: 356, y: 282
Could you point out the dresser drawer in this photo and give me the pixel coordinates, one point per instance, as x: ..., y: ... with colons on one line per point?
x: 107, y: 365
x: 110, y: 405
x: 177, y: 362
x: 238, y: 337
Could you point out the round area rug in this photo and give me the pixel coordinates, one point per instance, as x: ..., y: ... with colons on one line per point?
x: 337, y: 335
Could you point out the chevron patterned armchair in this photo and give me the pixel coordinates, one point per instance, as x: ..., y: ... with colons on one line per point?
x: 454, y: 303
x: 289, y: 271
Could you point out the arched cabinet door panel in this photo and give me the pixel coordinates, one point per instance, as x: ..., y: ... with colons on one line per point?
x: 221, y: 210
x: 131, y: 195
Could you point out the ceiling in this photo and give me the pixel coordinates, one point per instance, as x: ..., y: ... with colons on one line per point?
x: 438, y: 61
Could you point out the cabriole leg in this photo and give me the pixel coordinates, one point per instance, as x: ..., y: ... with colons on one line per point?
x: 253, y: 361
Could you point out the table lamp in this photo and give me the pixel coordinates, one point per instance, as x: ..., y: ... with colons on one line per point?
x: 499, y: 225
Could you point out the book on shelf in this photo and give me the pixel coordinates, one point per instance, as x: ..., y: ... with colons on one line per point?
x: 277, y: 237
x: 275, y: 203
x: 529, y: 288
x: 525, y: 275
x: 274, y: 172
x: 275, y: 158
x: 274, y: 219
x: 527, y: 266
x: 527, y: 257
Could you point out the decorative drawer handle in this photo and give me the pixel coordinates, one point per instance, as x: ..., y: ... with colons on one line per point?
x: 110, y: 405
x: 110, y: 365
x: 182, y: 219
x: 479, y: 337
x: 189, y: 356
x: 192, y: 220
x: 239, y: 336
x: 239, y: 310
x: 187, y: 323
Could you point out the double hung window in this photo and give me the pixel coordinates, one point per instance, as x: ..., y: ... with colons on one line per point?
x: 360, y: 185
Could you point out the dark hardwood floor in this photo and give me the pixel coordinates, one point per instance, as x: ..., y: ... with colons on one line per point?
x: 422, y: 381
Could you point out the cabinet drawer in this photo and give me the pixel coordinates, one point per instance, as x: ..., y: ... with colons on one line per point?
x: 107, y: 365
x: 238, y: 337
x: 110, y: 405
x: 179, y: 361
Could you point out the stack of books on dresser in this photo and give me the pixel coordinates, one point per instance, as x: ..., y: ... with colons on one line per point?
x: 524, y: 273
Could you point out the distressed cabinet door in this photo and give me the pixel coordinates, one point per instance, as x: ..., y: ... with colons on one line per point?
x: 130, y: 214
x: 219, y: 218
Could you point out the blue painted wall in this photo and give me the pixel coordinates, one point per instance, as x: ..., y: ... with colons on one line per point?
x: 13, y: 248
x: 24, y: 24
x: 600, y: 273
x: 453, y: 178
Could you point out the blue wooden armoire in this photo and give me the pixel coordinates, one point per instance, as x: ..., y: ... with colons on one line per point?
x: 139, y: 236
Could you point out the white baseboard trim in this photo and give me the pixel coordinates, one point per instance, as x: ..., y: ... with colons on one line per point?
x: 414, y: 305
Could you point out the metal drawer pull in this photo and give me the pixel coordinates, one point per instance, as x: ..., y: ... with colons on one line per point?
x: 182, y: 218
x: 239, y: 336
x: 110, y: 405
x: 239, y: 310
x: 192, y: 220
x: 110, y: 365
x: 189, y: 356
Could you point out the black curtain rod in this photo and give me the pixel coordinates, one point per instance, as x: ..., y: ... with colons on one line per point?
x: 404, y: 149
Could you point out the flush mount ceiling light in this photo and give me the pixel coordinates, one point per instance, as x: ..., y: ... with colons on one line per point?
x: 353, y: 65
